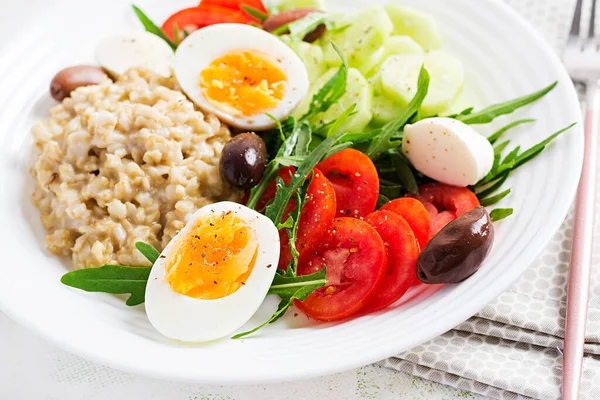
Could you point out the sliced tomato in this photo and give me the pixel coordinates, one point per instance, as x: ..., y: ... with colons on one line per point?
x: 444, y: 203
x: 355, y: 257
x: 458, y: 200
x: 415, y: 213
x: 402, y: 253
x: 191, y: 19
x: 355, y: 180
x: 315, y: 218
x: 236, y: 4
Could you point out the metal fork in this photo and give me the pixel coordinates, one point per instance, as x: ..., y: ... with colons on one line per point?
x: 582, y: 59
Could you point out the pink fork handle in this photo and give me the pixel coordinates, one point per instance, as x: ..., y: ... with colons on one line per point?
x: 581, y: 253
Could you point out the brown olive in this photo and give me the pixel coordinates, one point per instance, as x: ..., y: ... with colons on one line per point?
x: 458, y: 250
x: 286, y: 17
x: 243, y: 160
x: 71, y: 78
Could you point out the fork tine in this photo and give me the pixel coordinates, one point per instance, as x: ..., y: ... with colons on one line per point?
x: 592, y: 20
x: 576, y: 24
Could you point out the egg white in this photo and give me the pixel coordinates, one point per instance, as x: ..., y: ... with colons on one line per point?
x: 203, y: 46
x: 118, y: 53
x: 188, y: 319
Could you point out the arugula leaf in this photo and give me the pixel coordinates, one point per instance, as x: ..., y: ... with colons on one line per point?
x: 152, y: 27
x: 488, y: 114
x: 491, y: 189
x: 283, y: 194
x: 493, y: 138
x: 500, y: 213
x: 494, y: 199
x: 290, y: 288
x: 331, y: 91
x: 304, y: 139
x: 292, y: 232
x: 148, y: 251
x: 357, y: 138
x: 405, y: 173
x: 512, y: 155
x: 289, y: 223
x: 286, y: 150
x: 514, y: 161
x: 466, y: 111
x: 391, y: 192
x: 382, y: 142
x: 381, y: 200
x: 114, y: 279
x: 253, y: 12
x: 499, y: 148
x: 535, y: 150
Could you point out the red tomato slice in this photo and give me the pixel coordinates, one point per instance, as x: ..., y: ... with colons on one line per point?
x: 315, y: 218
x: 191, y: 19
x: 444, y: 203
x: 415, y: 213
x: 458, y: 200
x: 236, y: 4
x: 402, y: 253
x: 438, y: 219
x: 356, y: 261
x: 355, y: 180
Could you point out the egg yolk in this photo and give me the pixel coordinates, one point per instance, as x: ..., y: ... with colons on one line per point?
x: 244, y: 83
x: 214, y: 259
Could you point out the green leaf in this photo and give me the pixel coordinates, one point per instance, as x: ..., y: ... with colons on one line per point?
x: 490, y: 113
x: 282, y: 30
x: 500, y: 213
x: 381, y: 142
x: 331, y: 91
x: 335, y: 125
x: 290, y: 288
x: 494, y: 199
x: 253, y: 12
x: 304, y: 139
x: 357, y: 138
x: 493, y: 138
x: 286, y: 150
x: 499, y: 148
x: 337, y: 148
x: 405, y: 173
x: 491, y: 189
x: 148, y: 251
x: 283, y: 194
x: 535, y: 150
x: 286, y: 287
x: 152, y: 27
x: 466, y: 111
x: 289, y: 223
x: 391, y: 192
x: 512, y: 155
x: 114, y: 279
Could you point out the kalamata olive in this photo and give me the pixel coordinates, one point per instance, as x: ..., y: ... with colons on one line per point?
x: 71, y: 78
x: 286, y: 17
x: 243, y: 160
x: 458, y: 250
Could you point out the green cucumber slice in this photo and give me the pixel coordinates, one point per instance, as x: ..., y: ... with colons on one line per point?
x: 399, y: 76
x: 420, y: 26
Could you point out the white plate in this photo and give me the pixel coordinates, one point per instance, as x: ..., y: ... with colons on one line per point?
x: 504, y: 57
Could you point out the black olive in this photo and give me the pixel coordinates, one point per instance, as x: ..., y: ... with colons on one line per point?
x: 243, y: 160
x: 71, y: 78
x: 458, y: 250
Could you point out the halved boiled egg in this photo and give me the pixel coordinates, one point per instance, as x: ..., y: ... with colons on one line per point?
x: 214, y: 274
x: 242, y: 74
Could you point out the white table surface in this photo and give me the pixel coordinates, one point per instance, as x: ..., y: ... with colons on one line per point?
x: 31, y: 368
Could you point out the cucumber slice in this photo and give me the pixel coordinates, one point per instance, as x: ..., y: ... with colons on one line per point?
x: 383, y: 107
x: 418, y: 25
x: 393, y: 45
x: 365, y: 33
x: 402, y: 44
x: 357, y: 92
x: 399, y: 76
x: 285, y: 5
x: 311, y: 55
